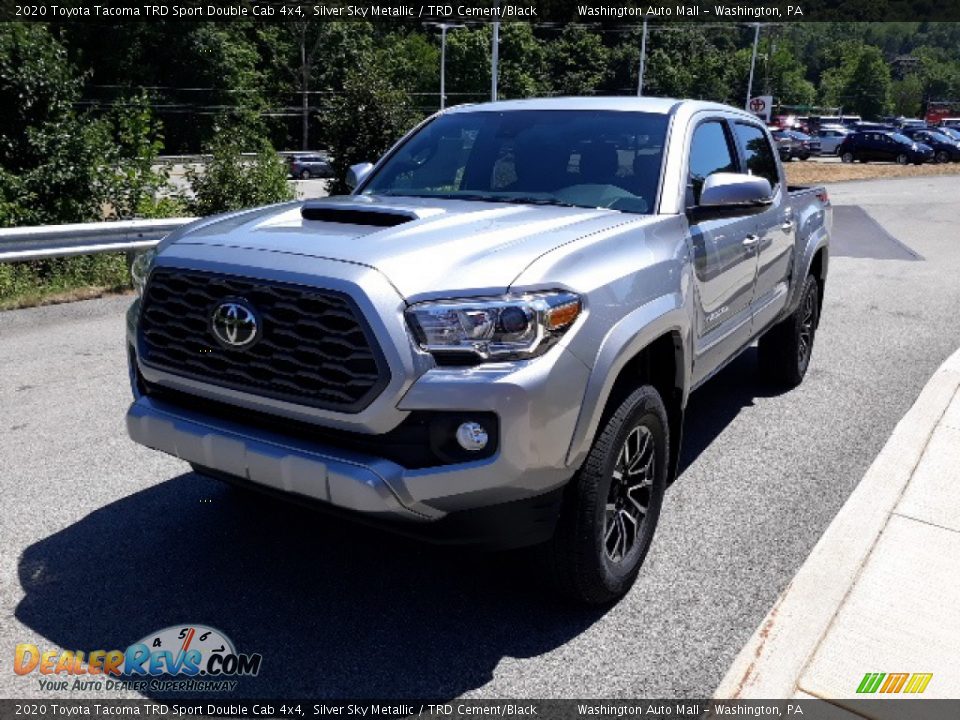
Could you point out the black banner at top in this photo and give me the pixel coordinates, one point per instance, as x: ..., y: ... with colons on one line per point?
x: 480, y: 11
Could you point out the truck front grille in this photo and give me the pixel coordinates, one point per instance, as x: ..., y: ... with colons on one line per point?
x: 314, y: 347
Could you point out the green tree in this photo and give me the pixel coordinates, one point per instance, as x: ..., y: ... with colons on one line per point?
x: 230, y: 181
x: 907, y: 95
x: 860, y: 83
x: 522, y: 58
x: 365, y: 120
x: 137, y: 185
x: 577, y: 61
x: 52, y: 160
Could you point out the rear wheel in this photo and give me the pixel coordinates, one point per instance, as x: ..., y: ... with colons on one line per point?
x: 612, y: 505
x: 305, y: 175
x: 902, y: 159
x: 847, y: 157
x: 785, y: 349
x: 942, y: 156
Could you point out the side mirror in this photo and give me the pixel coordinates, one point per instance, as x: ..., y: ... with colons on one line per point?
x: 357, y: 173
x: 731, y: 195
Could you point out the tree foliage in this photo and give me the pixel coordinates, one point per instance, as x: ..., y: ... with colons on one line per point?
x: 230, y: 181
x: 363, y: 122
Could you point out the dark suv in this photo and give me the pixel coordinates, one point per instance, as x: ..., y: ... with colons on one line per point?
x: 945, y: 148
x: 866, y: 146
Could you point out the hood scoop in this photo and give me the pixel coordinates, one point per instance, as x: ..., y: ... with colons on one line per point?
x: 358, y: 214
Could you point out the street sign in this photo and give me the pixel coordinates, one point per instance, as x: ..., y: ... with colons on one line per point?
x: 761, y: 106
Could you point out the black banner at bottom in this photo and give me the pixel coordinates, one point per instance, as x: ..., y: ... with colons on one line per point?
x: 913, y: 708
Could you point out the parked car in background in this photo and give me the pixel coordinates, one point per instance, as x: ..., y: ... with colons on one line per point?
x: 951, y: 122
x: 794, y: 144
x: 945, y: 148
x: 830, y: 139
x: 310, y: 166
x: 950, y: 132
x: 905, y: 123
x: 808, y: 145
x: 891, y: 146
x: 874, y: 127
x: 785, y: 144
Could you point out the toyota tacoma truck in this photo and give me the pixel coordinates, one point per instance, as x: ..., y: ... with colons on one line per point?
x: 493, y: 338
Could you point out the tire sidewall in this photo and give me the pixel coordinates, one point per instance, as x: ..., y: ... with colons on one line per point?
x: 810, y: 287
x: 847, y: 157
x: 647, y: 409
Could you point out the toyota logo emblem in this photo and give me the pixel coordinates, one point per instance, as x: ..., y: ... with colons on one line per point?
x: 234, y: 324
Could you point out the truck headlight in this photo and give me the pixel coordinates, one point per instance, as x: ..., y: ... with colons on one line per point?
x: 508, y: 328
x: 140, y: 269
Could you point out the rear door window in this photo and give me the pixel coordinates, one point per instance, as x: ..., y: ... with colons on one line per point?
x: 757, y: 153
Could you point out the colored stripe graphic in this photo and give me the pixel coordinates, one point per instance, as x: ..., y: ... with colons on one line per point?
x: 870, y: 682
x: 918, y: 682
x: 894, y: 682
x: 914, y: 683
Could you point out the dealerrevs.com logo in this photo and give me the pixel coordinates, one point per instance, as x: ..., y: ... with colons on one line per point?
x: 177, y: 658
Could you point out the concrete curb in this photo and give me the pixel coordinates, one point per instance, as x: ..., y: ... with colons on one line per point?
x: 771, y: 663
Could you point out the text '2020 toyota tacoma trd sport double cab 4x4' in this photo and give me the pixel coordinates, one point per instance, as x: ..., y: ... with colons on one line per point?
x: 494, y: 337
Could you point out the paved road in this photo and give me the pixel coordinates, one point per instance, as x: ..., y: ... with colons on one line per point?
x: 105, y: 541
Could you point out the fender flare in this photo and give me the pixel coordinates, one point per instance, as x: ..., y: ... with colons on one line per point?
x: 625, y: 340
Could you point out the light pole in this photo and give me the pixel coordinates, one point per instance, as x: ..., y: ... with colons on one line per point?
x: 753, y: 61
x: 443, y: 59
x: 494, y: 60
x: 643, y: 58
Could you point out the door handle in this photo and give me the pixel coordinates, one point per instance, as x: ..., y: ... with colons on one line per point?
x: 750, y: 240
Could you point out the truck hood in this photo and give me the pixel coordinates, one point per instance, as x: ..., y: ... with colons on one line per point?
x: 424, y: 246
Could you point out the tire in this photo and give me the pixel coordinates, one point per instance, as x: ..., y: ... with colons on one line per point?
x: 594, y: 557
x: 786, y: 348
x: 902, y: 159
x: 847, y: 157
x: 305, y: 175
x: 942, y: 157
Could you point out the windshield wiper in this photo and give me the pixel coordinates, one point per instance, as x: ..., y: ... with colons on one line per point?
x: 538, y: 201
x: 479, y: 197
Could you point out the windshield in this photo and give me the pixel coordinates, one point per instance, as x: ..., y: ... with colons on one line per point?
x: 577, y: 158
x: 901, y: 138
x: 940, y: 137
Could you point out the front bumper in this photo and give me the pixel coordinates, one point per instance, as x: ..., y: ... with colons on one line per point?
x: 537, y: 403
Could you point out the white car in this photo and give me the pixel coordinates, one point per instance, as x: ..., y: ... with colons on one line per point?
x: 830, y: 139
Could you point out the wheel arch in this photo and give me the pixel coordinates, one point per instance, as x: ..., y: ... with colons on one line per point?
x: 654, y: 353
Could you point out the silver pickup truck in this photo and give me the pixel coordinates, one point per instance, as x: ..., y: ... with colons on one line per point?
x: 493, y: 338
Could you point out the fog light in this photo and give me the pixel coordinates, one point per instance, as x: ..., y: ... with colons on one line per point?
x: 472, y: 436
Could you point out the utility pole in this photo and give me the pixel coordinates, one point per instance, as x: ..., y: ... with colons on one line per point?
x: 753, y: 62
x: 643, y: 57
x: 305, y: 85
x: 495, y: 59
x: 443, y: 60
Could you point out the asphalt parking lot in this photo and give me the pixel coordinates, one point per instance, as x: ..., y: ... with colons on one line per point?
x: 107, y: 541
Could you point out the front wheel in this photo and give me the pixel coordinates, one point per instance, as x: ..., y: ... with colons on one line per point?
x: 611, y: 507
x: 942, y: 157
x: 785, y: 349
x: 902, y: 159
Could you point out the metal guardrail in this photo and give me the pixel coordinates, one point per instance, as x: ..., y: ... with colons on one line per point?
x: 52, y: 241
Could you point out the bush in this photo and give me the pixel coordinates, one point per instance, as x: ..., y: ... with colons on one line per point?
x: 231, y: 182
